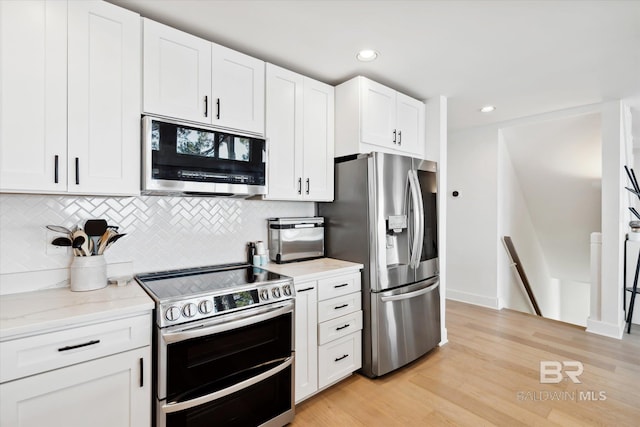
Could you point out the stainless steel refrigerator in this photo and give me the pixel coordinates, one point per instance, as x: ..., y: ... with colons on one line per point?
x: 384, y: 216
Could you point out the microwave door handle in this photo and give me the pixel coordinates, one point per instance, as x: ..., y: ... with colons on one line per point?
x: 181, y: 406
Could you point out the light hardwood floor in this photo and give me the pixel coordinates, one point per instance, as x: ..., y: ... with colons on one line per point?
x: 489, y: 374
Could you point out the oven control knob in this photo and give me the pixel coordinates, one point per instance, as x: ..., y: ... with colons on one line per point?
x: 275, y: 292
x: 286, y: 290
x: 190, y: 310
x: 172, y: 313
x: 264, y: 294
x: 205, y: 306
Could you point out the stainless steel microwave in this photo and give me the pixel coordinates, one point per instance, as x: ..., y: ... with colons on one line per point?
x: 187, y: 158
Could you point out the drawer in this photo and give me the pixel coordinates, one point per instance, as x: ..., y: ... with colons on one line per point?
x: 40, y: 353
x: 339, y: 359
x: 339, y: 306
x: 336, y: 286
x: 338, y: 328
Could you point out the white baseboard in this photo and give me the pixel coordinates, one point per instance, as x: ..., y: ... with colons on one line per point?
x: 611, y: 330
x: 474, y: 299
x: 444, y: 337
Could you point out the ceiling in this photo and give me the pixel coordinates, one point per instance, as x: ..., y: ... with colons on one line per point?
x: 524, y: 57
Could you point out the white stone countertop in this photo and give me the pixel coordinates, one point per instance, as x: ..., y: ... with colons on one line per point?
x: 31, y: 313
x: 314, y: 269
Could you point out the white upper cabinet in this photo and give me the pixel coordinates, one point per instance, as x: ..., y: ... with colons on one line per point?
x: 300, y: 136
x: 378, y: 113
x: 33, y: 105
x: 104, y: 99
x: 237, y: 90
x: 70, y: 112
x: 176, y: 73
x: 189, y: 78
x: 318, y: 136
x: 373, y: 117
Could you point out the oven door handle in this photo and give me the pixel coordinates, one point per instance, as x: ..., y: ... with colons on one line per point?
x: 217, y: 327
x: 181, y: 406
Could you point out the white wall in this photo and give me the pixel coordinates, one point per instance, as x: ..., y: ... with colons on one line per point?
x: 436, y: 150
x: 514, y: 220
x: 472, y: 233
x: 473, y: 217
x: 574, y: 301
x: 616, y: 151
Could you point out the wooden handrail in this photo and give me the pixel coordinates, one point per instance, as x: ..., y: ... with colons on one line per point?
x: 515, y: 259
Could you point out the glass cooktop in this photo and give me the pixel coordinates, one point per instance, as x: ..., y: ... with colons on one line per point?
x: 213, y: 279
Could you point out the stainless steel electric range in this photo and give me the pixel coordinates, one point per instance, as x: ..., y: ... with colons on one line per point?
x: 223, y: 346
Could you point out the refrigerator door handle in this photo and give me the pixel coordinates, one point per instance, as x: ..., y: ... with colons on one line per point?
x: 421, y: 217
x: 415, y: 204
x: 410, y: 294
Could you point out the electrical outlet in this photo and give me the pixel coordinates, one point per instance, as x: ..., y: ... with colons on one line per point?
x: 52, y: 249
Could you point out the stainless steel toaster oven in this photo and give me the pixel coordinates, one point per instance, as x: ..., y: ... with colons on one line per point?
x: 295, y: 239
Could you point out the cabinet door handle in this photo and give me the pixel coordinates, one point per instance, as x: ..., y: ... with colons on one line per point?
x: 55, y: 169
x: 299, y: 185
x: 340, y: 306
x: 399, y: 137
x: 394, y: 136
x: 206, y: 106
x: 339, y: 328
x: 305, y: 289
x: 218, y: 108
x: 77, y: 171
x: 341, y: 286
x: 84, y: 344
x: 307, y: 185
x: 141, y: 372
x: 344, y: 356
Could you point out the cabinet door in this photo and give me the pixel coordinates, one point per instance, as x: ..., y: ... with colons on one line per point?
x: 104, y: 99
x: 306, y: 344
x: 318, y: 137
x: 106, y: 392
x: 410, y: 122
x: 378, y: 120
x: 176, y: 73
x: 33, y: 105
x: 284, y: 133
x: 238, y: 90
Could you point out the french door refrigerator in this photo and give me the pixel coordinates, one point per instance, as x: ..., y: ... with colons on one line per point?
x: 384, y: 217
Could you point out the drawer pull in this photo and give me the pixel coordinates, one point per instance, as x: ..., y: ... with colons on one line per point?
x: 344, y: 356
x: 305, y: 290
x: 339, y: 328
x: 341, y: 306
x: 72, y: 347
x: 341, y: 286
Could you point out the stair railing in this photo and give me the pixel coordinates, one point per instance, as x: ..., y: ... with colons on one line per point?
x: 516, y: 264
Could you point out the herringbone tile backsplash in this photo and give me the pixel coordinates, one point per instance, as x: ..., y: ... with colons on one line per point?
x: 162, y: 232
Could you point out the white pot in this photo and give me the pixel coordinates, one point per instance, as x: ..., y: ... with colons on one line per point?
x: 88, y: 273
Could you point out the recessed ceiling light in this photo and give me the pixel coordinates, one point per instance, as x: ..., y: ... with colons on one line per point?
x: 367, y: 55
x: 487, y: 109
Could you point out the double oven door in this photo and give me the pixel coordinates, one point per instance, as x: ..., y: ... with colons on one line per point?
x: 234, y: 370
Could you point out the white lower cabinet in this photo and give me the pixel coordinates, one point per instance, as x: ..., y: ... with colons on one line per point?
x: 106, y: 392
x: 328, y: 332
x: 306, y: 325
x: 96, y: 375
